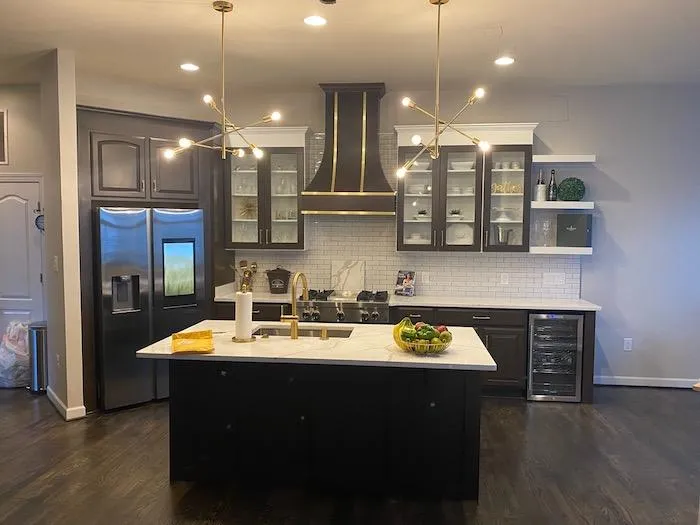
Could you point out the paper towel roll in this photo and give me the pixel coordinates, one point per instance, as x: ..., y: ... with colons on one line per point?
x: 244, y: 315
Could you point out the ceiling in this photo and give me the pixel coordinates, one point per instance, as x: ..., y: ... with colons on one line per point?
x: 556, y: 42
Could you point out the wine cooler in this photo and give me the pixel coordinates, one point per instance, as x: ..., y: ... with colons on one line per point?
x: 555, y: 357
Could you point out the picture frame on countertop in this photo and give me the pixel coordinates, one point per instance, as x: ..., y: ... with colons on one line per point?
x: 405, y: 283
x: 3, y: 137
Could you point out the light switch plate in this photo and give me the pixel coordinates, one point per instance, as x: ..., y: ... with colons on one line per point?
x: 55, y: 263
x: 505, y: 278
x: 553, y: 279
x: 425, y: 277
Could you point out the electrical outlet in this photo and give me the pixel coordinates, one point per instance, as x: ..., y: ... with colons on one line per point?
x: 553, y: 279
x: 58, y: 360
x: 628, y: 344
x: 426, y: 277
x: 504, y: 278
x: 55, y: 263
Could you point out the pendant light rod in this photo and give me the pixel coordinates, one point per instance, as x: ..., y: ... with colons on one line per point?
x: 436, y: 152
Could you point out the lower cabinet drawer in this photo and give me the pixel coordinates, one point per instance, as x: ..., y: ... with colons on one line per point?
x: 269, y: 311
x: 426, y: 315
x: 473, y: 317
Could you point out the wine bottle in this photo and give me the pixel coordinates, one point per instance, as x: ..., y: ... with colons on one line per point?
x: 552, y: 188
x: 541, y: 188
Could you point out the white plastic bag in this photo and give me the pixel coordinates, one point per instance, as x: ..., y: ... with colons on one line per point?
x: 14, y: 356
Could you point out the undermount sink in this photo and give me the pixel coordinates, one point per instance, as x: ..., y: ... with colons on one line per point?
x: 335, y: 333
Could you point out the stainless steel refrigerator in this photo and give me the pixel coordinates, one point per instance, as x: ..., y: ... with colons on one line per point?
x: 152, y: 274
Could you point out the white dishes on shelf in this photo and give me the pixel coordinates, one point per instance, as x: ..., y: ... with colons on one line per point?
x: 462, y: 165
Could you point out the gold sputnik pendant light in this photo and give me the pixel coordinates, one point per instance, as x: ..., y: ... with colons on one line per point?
x: 433, y: 145
x: 227, y: 127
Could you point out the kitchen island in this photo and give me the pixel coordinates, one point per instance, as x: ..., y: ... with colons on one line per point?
x: 351, y: 413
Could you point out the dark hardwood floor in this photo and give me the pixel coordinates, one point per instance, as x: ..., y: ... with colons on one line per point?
x: 631, y: 458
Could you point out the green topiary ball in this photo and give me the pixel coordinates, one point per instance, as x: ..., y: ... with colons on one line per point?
x: 571, y: 189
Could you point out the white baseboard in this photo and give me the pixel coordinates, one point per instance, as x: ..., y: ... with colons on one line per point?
x: 67, y: 413
x: 664, y: 382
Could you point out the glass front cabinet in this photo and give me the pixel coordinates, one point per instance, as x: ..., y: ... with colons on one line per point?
x: 262, y: 210
x: 464, y: 200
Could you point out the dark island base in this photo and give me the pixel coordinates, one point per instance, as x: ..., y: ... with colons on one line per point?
x: 398, y: 432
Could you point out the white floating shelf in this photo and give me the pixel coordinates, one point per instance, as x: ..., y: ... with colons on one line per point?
x: 508, y: 170
x: 563, y: 205
x: 563, y: 159
x: 560, y: 250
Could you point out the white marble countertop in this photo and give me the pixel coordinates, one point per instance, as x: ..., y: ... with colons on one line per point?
x: 535, y: 303
x: 368, y: 345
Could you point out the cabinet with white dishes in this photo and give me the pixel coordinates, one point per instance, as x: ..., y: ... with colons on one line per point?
x: 439, y: 203
x: 465, y: 200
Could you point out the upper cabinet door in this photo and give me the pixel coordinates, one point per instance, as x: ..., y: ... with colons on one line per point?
x: 285, y: 224
x: 418, y: 214
x: 118, y: 165
x: 461, y: 185
x: 507, y: 199
x: 173, y: 179
x: 245, y: 226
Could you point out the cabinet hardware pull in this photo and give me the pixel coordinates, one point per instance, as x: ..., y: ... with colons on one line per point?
x: 154, y: 186
x: 434, y: 237
x: 223, y: 373
x: 442, y: 238
x: 269, y: 236
x: 260, y: 237
x: 143, y: 185
x: 414, y: 316
x: 486, y: 240
x: 481, y: 317
x: 303, y: 418
x: 432, y: 404
x: 256, y: 311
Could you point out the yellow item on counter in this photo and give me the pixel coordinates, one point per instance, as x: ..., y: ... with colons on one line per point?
x: 201, y: 342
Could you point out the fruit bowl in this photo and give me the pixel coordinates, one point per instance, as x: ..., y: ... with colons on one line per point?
x: 424, y: 348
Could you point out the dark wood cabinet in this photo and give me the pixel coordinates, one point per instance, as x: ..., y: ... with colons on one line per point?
x: 118, y: 165
x: 384, y: 431
x: 465, y: 200
x: 262, y: 200
x: 133, y: 167
x: 508, y: 347
x: 226, y: 311
x: 174, y: 179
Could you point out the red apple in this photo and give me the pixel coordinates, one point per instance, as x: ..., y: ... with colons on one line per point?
x: 419, y: 325
x: 441, y: 328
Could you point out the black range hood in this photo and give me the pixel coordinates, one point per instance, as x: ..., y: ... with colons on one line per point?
x: 350, y: 179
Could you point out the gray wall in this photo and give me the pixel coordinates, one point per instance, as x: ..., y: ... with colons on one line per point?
x: 646, y: 185
x: 23, y: 105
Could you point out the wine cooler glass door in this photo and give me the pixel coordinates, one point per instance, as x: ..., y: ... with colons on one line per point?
x: 556, y: 348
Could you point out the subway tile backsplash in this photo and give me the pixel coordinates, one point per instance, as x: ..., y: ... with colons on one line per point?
x: 373, y: 239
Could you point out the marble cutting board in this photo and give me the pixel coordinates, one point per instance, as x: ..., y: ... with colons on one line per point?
x: 348, y: 276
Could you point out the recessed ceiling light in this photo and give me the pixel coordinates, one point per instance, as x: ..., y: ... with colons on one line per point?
x: 505, y: 60
x: 315, y: 20
x: 189, y: 67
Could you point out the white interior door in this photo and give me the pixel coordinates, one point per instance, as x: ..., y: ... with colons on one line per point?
x: 21, y: 297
